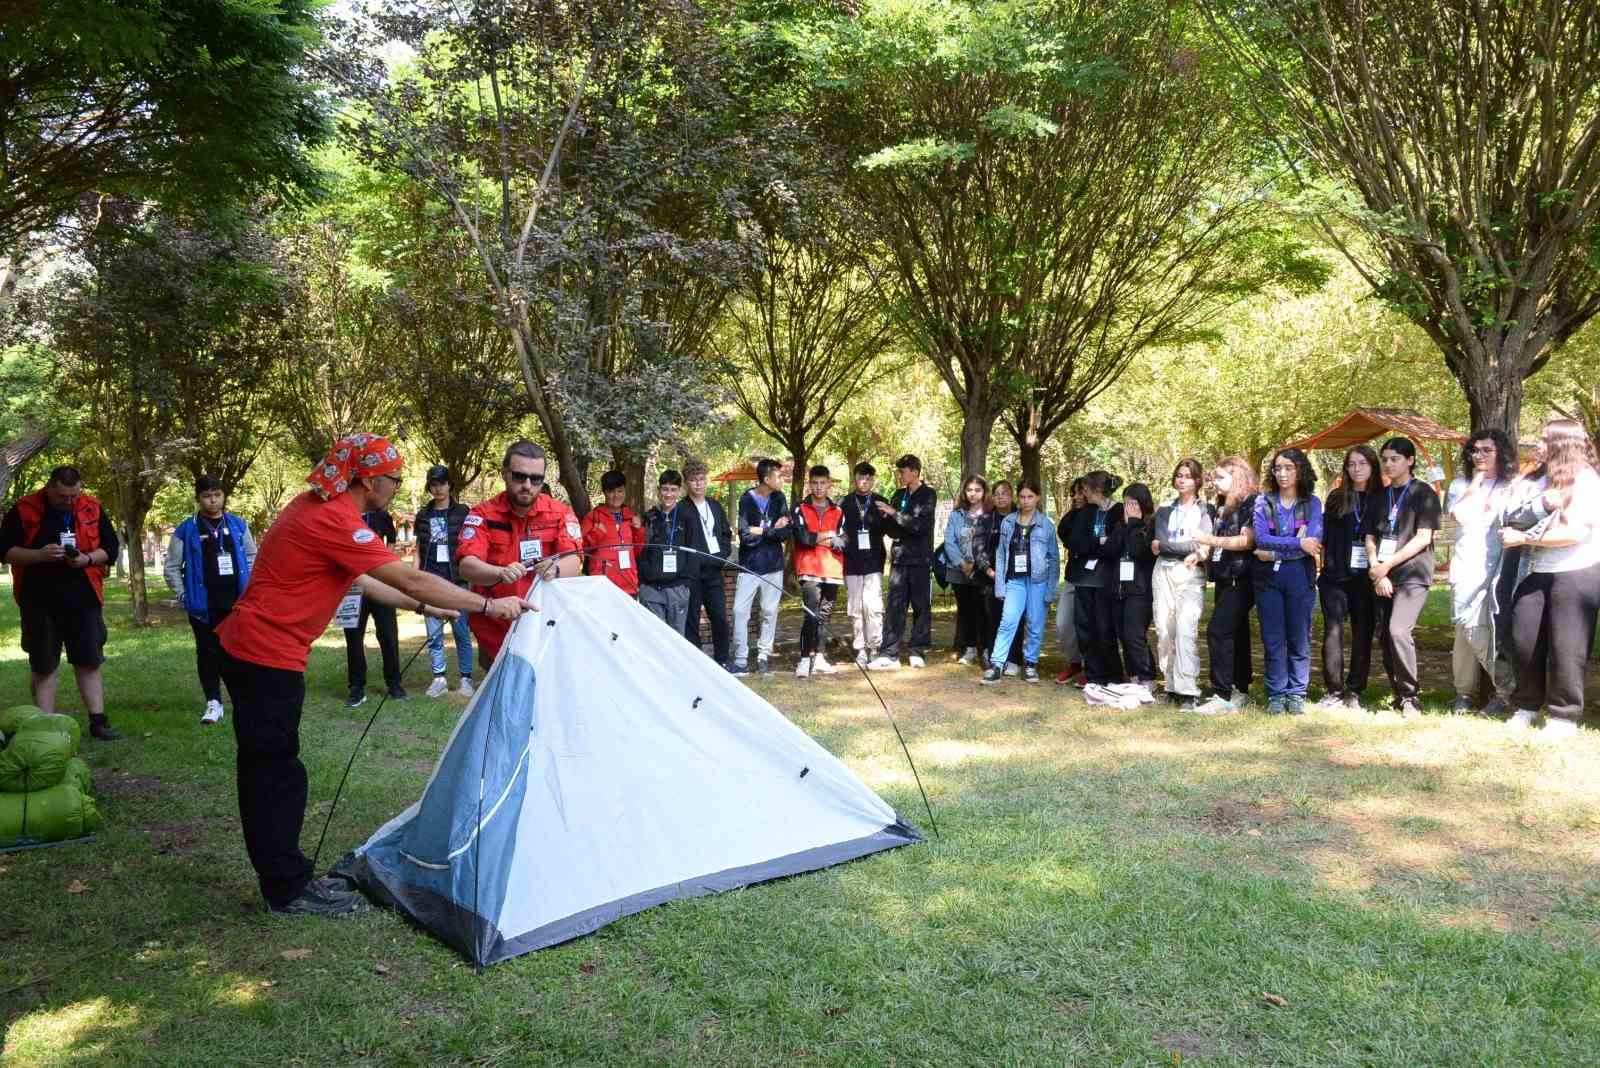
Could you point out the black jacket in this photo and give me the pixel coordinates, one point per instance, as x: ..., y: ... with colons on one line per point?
x: 1340, y: 533
x: 453, y: 516
x: 763, y: 553
x: 661, y: 529
x: 1084, y: 545
x: 719, y: 529
x: 911, y: 526
x: 1131, y: 541
x: 1235, y: 563
x: 858, y: 561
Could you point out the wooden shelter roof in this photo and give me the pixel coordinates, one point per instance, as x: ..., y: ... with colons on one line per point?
x: 1364, y: 424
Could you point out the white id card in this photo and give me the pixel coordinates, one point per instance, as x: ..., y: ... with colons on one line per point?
x: 349, y: 614
x: 1387, y: 548
x: 669, y: 563
x: 1019, y: 563
x: 441, y: 553
x: 1216, y: 552
x: 864, y: 539
x: 624, y: 559
x: 712, y: 545
x: 1125, y: 572
x: 530, y: 550
x: 224, y: 564
x: 69, y: 538
x: 1358, y: 558
x: 1090, y: 565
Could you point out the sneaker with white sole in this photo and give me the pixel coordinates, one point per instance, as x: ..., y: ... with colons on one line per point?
x: 1030, y: 673
x: 969, y: 655
x: 820, y: 666
x: 213, y: 713
x: 1012, y: 670
x: 763, y: 666
x: 802, y: 670
x: 328, y: 897
x: 916, y: 661
x: 863, y: 661
x: 1217, y: 706
x: 883, y: 663
x: 990, y: 676
x: 1522, y: 719
x: 466, y: 686
x: 437, y: 687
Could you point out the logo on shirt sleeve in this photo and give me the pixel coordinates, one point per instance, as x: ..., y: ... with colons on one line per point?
x: 363, y: 536
x: 572, y: 528
x: 468, y: 533
x: 473, y: 521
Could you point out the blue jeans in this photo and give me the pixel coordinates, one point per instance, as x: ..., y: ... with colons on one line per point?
x: 463, y: 645
x: 1283, y: 607
x: 1022, y: 597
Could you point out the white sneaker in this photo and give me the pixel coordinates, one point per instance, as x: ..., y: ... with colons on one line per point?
x: 1558, y: 730
x: 466, y: 687
x: 820, y: 666
x: 1522, y: 719
x: 863, y: 660
x: 883, y: 663
x: 1012, y: 670
x: 970, y: 656
x: 802, y: 670
x: 1217, y: 706
x: 917, y: 661
x: 437, y: 687
x: 213, y: 713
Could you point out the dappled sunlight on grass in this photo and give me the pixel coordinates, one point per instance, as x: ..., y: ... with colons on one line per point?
x: 76, y: 1031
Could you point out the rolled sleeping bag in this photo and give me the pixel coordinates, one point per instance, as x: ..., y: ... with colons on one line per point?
x: 54, y: 721
x: 35, y: 760
x: 78, y: 773
x: 54, y: 815
x: 12, y: 717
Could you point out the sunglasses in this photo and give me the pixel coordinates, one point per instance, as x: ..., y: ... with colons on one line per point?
x: 524, y: 476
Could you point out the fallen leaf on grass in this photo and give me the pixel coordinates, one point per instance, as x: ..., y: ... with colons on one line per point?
x: 269, y: 982
x: 588, y: 968
x: 77, y: 886
x: 1254, y: 832
x: 295, y: 954
x: 1274, y: 999
x: 3, y: 869
x: 381, y: 969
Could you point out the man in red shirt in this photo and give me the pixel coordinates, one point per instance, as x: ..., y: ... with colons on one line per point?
x: 316, y: 549
x: 508, y: 538
x: 612, y: 536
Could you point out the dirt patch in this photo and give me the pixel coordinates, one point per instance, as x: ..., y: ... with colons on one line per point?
x: 178, y: 837
x: 1235, y: 817
x: 121, y: 786
x: 1184, y: 1045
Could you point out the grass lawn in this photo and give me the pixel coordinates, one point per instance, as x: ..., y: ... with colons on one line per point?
x: 1110, y: 888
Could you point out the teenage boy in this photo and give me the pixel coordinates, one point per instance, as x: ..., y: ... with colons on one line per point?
x: 59, y: 541
x: 665, y: 571
x: 710, y: 534
x: 384, y: 622
x: 764, y: 524
x: 612, y: 535
x: 864, y: 558
x: 209, y: 558
x: 438, y: 528
x: 908, y: 519
x: 819, y: 565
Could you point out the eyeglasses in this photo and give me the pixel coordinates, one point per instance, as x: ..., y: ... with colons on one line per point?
x: 525, y: 476
x: 1484, y: 449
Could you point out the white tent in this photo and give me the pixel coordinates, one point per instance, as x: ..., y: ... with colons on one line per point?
x: 618, y: 768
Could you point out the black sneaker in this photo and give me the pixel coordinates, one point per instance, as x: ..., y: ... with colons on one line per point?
x: 327, y: 897
x: 99, y: 728
x: 1030, y: 673
x: 738, y: 671
x: 397, y: 693
x: 1188, y: 702
x: 993, y: 675
x: 357, y: 698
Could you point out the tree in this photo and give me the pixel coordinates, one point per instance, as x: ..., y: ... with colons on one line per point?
x: 800, y: 339
x: 192, y: 103
x: 1467, y: 139
x: 1062, y: 185
x: 596, y: 160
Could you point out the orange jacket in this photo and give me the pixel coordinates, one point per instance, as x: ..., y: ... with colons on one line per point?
x: 612, y: 549
x: 813, y: 553
x: 86, y: 524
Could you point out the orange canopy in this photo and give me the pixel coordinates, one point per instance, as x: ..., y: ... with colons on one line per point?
x: 746, y: 472
x: 1364, y: 424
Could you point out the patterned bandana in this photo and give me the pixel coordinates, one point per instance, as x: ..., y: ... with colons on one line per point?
x: 353, y: 457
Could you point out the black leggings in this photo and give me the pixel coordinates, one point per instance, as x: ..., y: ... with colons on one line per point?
x: 1096, y: 612
x: 1552, y: 630
x: 972, y: 615
x: 1133, y: 630
x: 1228, y: 638
x: 819, y: 598
x: 1350, y: 599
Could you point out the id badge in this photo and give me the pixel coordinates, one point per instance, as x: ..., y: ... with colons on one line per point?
x: 349, y: 614
x: 224, y: 564
x: 1125, y: 572
x: 864, y: 539
x: 1019, y: 563
x: 1216, y: 553
x: 530, y: 550
x: 669, y: 562
x: 1090, y: 565
x: 441, y: 553
x: 1358, y: 558
x: 69, y: 539
x: 1102, y: 539
x: 1386, y: 549
x: 624, y: 559
x: 712, y: 545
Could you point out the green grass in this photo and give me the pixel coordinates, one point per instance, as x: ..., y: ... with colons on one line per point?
x: 1110, y: 888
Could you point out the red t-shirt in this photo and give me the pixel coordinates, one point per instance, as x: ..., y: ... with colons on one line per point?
x: 496, y: 535
x: 308, y: 559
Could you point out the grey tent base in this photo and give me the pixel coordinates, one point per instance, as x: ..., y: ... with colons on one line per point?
x: 481, y: 943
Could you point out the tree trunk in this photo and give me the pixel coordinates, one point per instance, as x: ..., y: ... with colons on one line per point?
x: 17, y: 453
x: 1494, y: 397
x: 802, y: 463
x: 632, y: 467
x: 1032, y: 464
x: 977, y: 427
x: 138, y: 596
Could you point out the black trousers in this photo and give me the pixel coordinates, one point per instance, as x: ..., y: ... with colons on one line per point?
x: 972, y: 615
x: 819, y: 597
x: 1095, y: 615
x: 1552, y: 630
x: 1350, y: 600
x: 991, y: 629
x: 1397, y: 623
x: 272, y: 781
x: 1228, y: 637
x: 706, y: 591
x: 1133, y: 631
x: 909, y: 584
x: 208, y: 657
x: 388, y: 631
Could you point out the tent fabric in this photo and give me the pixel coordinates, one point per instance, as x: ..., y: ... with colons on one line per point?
x: 1364, y: 424
x: 617, y: 769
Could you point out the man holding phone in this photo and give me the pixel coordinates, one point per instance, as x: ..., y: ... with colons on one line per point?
x: 58, y: 542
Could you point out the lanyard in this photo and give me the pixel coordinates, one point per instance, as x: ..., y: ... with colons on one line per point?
x: 212, y: 532
x: 1099, y: 522
x: 1395, y: 506
x: 1358, y: 508
x: 762, y: 504
x: 1278, y: 524
x: 672, y: 527
x: 622, y: 528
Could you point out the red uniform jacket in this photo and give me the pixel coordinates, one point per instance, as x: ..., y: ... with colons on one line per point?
x: 612, y: 548
x: 496, y: 535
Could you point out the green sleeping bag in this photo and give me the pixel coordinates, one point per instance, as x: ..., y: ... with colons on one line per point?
x: 35, y: 760
x: 52, y: 815
x: 12, y: 718
x: 78, y: 774
x: 54, y: 721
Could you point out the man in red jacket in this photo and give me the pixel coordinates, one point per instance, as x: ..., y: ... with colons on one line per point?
x: 59, y: 542
x: 612, y: 535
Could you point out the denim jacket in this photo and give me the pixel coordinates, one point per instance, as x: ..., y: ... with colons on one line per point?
x: 965, y: 538
x: 1044, y: 554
